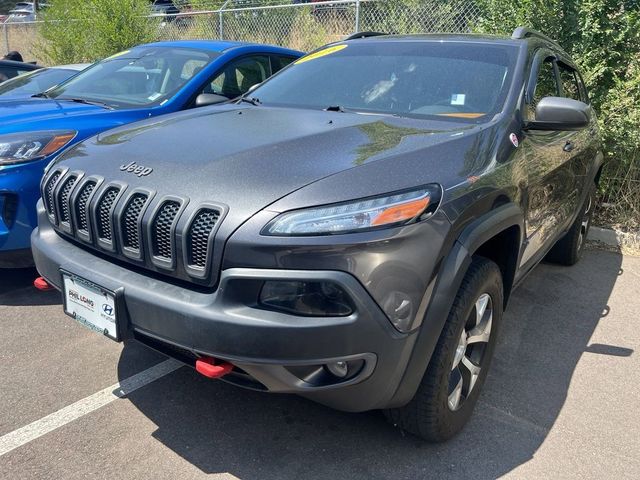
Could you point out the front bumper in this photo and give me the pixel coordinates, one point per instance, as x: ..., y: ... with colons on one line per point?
x: 271, y: 351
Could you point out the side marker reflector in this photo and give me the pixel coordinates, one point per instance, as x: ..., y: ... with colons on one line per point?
x: 208, y: 367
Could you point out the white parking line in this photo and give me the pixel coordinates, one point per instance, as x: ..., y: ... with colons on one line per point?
x: 68, y: 414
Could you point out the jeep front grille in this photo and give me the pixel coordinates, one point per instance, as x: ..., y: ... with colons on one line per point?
x: 131, y: 221
x: 134, y: 225
x: 161, y: 233
x: 48, y: 193
x: 81, y: 206
x: 63, y: 198
x: 103, y: 220
x: 198, y: 238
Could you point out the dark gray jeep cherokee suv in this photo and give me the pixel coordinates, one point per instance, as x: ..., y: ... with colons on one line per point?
x: 350, y: 231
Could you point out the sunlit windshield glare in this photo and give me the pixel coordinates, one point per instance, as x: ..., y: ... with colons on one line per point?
x: 139, y: 78
x: 35, y: 82
x: 409, y: 78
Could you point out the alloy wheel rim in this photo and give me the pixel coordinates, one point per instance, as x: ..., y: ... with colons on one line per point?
x: 470, y: 351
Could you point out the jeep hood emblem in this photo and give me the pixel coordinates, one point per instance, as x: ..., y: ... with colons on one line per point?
x: 136, y: 169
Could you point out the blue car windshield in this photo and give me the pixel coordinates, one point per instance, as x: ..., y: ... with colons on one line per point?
x: 460, y: 81
x: 139, y: 78
x: 35, y: 82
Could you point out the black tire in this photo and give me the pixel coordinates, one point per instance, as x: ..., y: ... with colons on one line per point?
x: 568, y: 250
x: 429, y: 415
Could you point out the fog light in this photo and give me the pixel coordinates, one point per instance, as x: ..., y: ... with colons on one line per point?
x: 315, y: 299
x: 338, y: 369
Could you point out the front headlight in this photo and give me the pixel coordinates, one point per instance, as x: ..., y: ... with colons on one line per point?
x: 378, y: 212
x: 30, y: 146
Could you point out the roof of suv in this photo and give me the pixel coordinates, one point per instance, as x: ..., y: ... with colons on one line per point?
x: 519, y: 35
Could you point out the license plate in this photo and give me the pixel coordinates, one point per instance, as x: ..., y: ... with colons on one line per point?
x: 91, y: 305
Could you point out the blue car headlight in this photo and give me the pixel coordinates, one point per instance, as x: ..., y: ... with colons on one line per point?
x: 30, y: 146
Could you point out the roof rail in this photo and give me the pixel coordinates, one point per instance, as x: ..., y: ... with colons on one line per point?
x: 364, y: 35
x: 524, y: 32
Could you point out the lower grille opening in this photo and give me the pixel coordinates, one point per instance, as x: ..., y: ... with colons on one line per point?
x: 9, y: 203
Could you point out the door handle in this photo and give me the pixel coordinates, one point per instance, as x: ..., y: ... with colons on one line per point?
x: 568, y: 146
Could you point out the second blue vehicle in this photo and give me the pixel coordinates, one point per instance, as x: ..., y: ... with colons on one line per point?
x: 136, y: 84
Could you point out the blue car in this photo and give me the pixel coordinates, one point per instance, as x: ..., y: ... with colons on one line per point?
x: 145, y: 81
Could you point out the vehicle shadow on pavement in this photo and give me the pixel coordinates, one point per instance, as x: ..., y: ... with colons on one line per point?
x: 16, y: 289
x: 220, y: 428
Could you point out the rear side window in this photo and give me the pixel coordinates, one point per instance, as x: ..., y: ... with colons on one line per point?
x: 584, y: 95
x: 239, y: 76
x: 278, y: 62
x: 568, y: 78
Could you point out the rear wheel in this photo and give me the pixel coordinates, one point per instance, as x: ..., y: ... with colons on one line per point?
x: 568, y: 250
x: 454, y: 377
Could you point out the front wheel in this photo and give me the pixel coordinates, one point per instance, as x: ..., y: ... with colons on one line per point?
x: 456, y: 372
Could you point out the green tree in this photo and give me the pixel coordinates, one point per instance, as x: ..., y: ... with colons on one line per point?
x: 603, y: 37
x: 89, y: 30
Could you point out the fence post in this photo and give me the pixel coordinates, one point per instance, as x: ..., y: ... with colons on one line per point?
x: 6, y: 37
x: 220, y: 12
x: 357, y: 16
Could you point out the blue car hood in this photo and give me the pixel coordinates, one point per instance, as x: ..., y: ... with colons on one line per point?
x: 43, y: 114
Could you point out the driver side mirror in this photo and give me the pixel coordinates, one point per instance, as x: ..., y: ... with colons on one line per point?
x: 205, y: 99
x: 560, y: 113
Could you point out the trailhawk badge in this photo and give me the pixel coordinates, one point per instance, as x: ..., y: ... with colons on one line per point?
x: 136, y: 169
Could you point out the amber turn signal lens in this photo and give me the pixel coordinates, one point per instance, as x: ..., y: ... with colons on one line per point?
x: 401, y: 213
x: 56, y: 143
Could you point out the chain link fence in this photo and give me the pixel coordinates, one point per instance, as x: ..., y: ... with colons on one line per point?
x: 302, y: 26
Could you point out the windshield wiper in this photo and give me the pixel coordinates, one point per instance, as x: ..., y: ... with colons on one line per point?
x: 341, y: 109
x: 252, y: 100
x: 87, y: 102
x: 40, y: 95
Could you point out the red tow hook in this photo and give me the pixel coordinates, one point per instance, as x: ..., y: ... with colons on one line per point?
x: 41, y: 284
x: 212, y: 368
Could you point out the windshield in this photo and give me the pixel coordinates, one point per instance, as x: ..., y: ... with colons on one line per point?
x: 463, y: 80
x: 138, y: 78
x: 35, y: 82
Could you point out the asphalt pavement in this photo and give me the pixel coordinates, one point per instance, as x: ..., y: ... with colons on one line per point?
x: 561, y: 401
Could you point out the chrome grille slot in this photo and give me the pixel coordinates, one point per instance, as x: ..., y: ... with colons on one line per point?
x: 81, y: 206
x: 131, y: 221
x: 63, y: 198
x: 103, y: 221
x: 200, y: 231
x: 161, y: 232
x: 48, y: 193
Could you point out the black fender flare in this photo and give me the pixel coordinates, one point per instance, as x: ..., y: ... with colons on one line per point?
x: 452, y: 271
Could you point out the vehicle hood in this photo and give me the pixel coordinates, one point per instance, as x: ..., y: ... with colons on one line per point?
x: 248, y: 158
x: 17, y: 115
